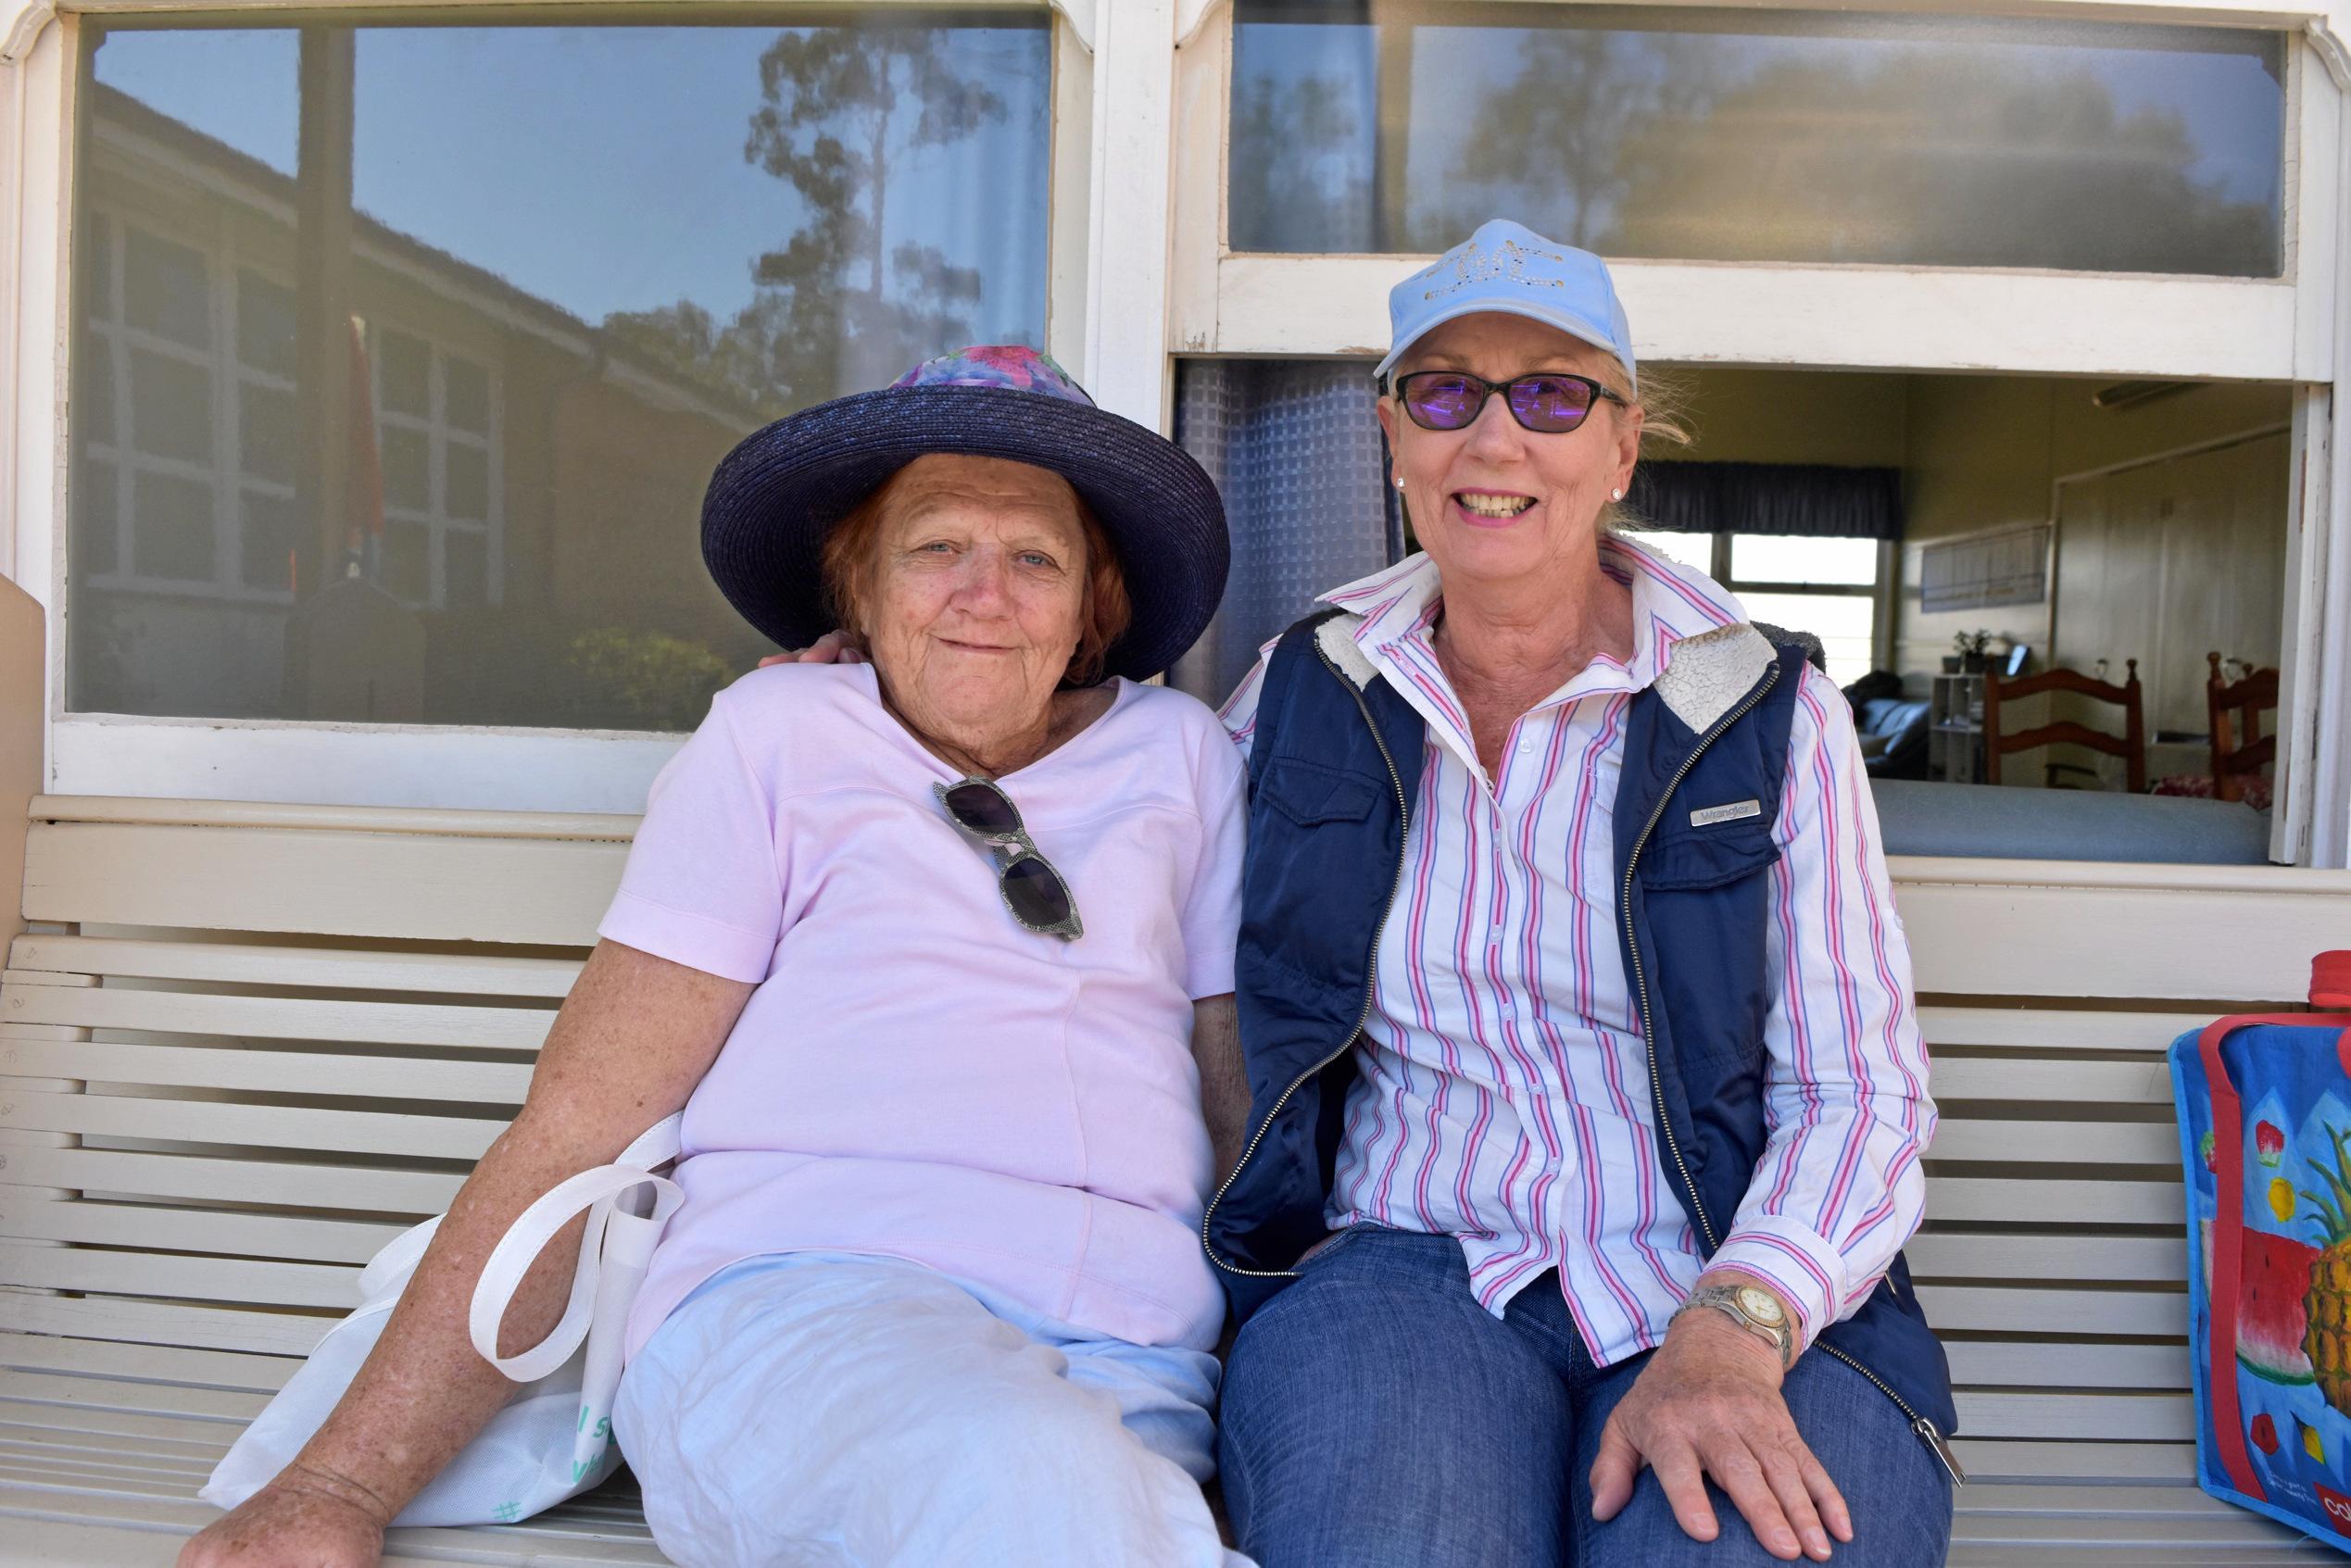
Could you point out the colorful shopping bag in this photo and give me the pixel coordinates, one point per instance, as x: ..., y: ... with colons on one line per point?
x: 2265, y: 1131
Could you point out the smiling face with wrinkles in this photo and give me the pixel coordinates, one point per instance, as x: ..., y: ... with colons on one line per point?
x: 1496, y: 504
x: 977, y: 597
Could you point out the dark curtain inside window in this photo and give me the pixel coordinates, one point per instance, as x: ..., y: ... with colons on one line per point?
x: 1810, y: 498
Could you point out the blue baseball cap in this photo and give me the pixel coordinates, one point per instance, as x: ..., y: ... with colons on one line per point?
x: 1508, y: 268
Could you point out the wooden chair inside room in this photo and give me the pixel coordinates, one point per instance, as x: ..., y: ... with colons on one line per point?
x: 2239, y: 749
x: 2131, y: 746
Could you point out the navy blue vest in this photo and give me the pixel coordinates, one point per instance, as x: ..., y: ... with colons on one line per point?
x: 1332, y: 771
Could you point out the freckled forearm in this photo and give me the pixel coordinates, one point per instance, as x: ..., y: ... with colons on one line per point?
x: 423, y: 1394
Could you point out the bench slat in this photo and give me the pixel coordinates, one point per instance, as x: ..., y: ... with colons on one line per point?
x: 270, y: 1072
x: 1997, y: 1459
x: 324, y: 969
x: 1987, y: 1363
x: 1955, y: 1079
x: 149, y: 1364
x: 2029, y: 1199
x: 449, y: 1025
x: 378, y: 885
x: 166, y: 1323
x: 293, y: 1238
x: 1958, y: 1255
x: 2089, y: 1029
x: 227, y: 1406
x: 2058, y: 1143
x: 2158, y: 1417
x: 2149, y: 1314
x: 203, y: 1279
x: 289, y: 1183
x: 273, y: 1126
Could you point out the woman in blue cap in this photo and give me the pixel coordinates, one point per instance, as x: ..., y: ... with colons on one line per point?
x: 1589, y: 1092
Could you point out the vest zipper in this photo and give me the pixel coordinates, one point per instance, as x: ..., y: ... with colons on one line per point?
x: 1404, y: 818
x: 1926, y: 1429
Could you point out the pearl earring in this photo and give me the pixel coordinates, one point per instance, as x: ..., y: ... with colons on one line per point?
x: 1399, y: 481
x: 1615, y: 495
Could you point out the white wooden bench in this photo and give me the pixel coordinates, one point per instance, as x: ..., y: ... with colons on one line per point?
x: 240, y: 1045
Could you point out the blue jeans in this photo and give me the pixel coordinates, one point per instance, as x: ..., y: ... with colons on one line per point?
x: 1375, y: 1415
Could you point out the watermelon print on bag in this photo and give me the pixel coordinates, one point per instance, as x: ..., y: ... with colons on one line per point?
x: 2265, y: 1133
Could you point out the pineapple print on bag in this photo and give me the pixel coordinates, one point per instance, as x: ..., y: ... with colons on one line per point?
x: 2327, y: 1341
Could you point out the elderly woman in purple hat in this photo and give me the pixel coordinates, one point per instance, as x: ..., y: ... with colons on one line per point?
x: 1590, y: 1096
x: 923, y: 946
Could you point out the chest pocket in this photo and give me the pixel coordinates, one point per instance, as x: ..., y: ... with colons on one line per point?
x: 1309, y: 792
x: 1692, y: 858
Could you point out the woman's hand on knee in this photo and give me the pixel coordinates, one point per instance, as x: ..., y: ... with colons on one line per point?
x: 294, y: 1522
x: 1708, y: 1405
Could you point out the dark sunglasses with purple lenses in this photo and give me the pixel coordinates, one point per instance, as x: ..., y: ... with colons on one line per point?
x: 1033, y: 890
x: 1548, y: 402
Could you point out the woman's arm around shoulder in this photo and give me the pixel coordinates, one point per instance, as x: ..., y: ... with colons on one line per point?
x: 627, y: 1047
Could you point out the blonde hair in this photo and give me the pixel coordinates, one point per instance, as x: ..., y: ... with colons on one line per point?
x: 1664, y: 401
x: 853, y: 551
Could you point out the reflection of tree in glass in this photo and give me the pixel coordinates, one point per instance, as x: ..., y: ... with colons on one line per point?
x: 1293, y: 188
x: 836, y: 308
x: 1957, y: 158
x: 1551, y: 151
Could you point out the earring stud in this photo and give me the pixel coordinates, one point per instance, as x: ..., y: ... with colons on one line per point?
x: 1615, y: 495
x: 1399, y: 481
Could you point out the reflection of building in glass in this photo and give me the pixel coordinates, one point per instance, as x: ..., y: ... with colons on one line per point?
x: 525, y: 487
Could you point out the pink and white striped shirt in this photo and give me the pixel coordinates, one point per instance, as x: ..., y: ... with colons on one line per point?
x: 1503, y: 1092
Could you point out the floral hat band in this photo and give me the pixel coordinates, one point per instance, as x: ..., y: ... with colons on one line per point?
x: 1014, y: 367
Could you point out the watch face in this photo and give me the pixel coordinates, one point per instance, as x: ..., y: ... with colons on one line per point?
x: 1760, y: 1305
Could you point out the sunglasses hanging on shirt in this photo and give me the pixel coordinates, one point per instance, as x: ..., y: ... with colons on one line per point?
x: 1032, y: 889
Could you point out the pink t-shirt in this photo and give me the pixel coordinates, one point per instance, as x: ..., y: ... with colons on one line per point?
x: 918, y: 1077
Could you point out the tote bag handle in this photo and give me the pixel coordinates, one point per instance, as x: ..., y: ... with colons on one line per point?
x: 594, y: 1191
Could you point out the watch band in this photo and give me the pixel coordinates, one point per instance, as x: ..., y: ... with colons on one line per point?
x: 1772, y: 1326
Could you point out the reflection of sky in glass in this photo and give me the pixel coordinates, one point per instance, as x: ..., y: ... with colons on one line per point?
x: 602, y: 168
x: 2220, y: 89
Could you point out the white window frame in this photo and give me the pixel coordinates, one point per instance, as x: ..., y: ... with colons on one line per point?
x: 1106, y: 250
x: 2294, y: 328
x: 1138, y: 271
x: 434, y: 516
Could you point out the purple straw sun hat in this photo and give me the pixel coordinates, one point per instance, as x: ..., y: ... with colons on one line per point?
x: 774, y: 498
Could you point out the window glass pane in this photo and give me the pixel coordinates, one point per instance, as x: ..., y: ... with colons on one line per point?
x: 95, y: 509
x: 266, y: 431
x: 466, y: 388
x: 265, y: 323
x: 469, y: 480
x: 1759, y: 136
x: 1843, y: 623
x: 583, y: 262
x: 171, y: 407
x: 171, y: 531
x: 93, y: 397
x: 407, y: 385
x: 1691, y: 549
x: 266, y: 541
x: 1771, y: 558
x: 165, y: 290
x: 466, y: 559
x: 408, y: 468
x: 408, y: 560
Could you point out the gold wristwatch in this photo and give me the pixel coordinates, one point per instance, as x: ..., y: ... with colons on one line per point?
x: 1752, y: 1307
